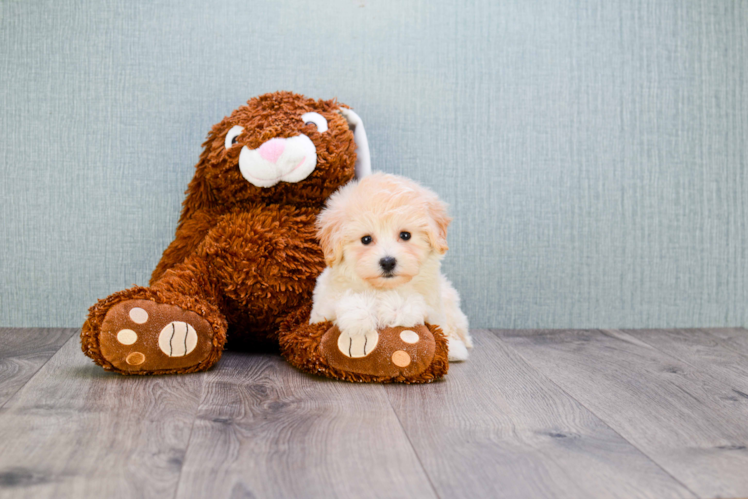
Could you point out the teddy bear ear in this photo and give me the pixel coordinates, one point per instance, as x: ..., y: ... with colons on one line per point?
x: 363, y: 160
x: 199, y: 194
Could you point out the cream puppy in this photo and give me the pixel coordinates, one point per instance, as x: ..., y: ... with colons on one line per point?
x: 384, y: 237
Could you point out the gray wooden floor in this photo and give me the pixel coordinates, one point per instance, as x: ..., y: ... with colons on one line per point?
x: 550, y: 413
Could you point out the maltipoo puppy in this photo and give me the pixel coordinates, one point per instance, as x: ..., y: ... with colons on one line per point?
x: 384, y: 237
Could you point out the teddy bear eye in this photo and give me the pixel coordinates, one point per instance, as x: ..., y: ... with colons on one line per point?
x: 366, y: 240
x: 233, y: 135
x: 404, y: 235
x: 317, y: 119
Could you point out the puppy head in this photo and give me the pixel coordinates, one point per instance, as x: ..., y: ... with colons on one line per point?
x: 385, y: 227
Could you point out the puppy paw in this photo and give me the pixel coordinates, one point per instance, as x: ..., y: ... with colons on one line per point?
x: 395, y: 310
x: 457, y: 349
x: 468, y: 339
x: 356, y: 314
x: 358, y: 345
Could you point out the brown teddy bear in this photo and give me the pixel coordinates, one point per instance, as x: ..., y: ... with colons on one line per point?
x: 245, y: 257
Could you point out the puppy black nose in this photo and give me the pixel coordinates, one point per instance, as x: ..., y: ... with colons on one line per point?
x: 387, y: 263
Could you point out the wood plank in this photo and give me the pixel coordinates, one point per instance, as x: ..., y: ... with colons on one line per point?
x: 265, y: 429
x: 76, y: 431
x: 497, y: 428
x: 688, y: 422
x: 731, y: 338
x: 23, y: 351
x: 704, y: 351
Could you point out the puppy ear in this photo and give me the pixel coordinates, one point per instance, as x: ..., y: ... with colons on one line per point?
x: 330, y: 233
x: 437, y: 230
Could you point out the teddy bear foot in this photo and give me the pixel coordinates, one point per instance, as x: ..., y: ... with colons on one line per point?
x: 398, y: 354
x: 144, y: 337
x: 407, y: 355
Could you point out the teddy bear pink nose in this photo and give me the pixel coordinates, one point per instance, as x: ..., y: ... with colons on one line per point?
x: 272, y: 149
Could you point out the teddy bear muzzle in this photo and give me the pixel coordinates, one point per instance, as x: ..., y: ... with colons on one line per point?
x: 289, y: 159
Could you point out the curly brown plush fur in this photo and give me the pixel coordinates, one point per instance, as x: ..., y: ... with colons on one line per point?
x: 246, y: 258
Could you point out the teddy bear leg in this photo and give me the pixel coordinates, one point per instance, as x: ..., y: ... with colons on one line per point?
x: 412, y: 356
x: 174, y: 326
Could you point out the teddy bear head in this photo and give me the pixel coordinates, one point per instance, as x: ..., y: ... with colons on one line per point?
x: 279, y: 148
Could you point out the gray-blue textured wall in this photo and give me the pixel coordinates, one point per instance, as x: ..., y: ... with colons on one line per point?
x: 594, y: 153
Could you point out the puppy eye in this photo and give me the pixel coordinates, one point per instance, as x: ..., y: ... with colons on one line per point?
x: 404, y: 235
x: 232, y: 136
x: 317, y: 119
x: 366, y: 240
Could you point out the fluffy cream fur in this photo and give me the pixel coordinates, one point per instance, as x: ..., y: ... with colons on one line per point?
x: 357, y: 293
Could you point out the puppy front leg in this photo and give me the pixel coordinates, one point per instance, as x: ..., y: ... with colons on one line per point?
x: 356, y: 318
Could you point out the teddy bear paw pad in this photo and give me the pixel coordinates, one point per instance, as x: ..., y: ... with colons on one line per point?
x: 396, y: 352
x: 358, y: 346
x: 140, y: 335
